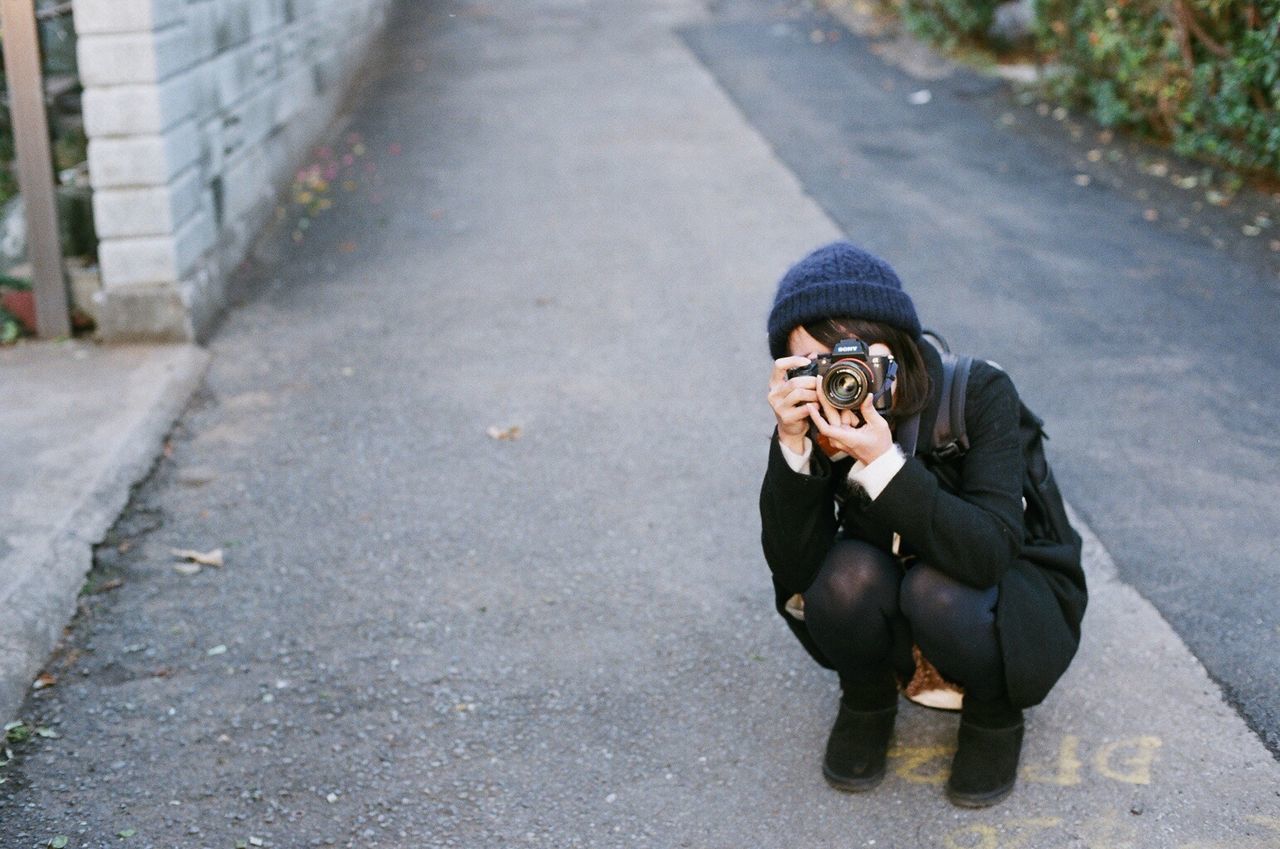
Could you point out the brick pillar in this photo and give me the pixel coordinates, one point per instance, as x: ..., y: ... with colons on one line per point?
x: 138, y: 70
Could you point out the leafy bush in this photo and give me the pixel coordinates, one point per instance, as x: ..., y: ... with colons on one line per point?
x: 948, y: 22
x: 1202, y: 74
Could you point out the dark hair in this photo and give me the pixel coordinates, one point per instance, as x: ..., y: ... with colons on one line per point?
x: 912, y: 395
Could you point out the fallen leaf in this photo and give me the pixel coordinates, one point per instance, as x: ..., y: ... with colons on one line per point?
x: 204, y: 558
x: 126, y: 832
x: 108, y: 586
x: 507, y: 434
x: 59, y: 842
x: 44, y: 679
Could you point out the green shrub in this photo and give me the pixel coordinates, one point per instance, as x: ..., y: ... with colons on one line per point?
x: 1201, y: 74
x: 948, y: 22
x: 1204, y: 74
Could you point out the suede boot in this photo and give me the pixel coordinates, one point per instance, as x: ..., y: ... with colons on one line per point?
x: 986, y: 763
x: 859, y: 741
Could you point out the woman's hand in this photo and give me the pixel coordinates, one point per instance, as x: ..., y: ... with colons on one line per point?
x: 864, y: 442
x: 790, y: 398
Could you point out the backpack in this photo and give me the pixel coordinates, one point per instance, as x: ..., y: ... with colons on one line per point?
x: 1048, y: 538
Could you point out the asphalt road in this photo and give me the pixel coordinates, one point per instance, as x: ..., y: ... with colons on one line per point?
x: 1149, y: 347
x: 482, y: 444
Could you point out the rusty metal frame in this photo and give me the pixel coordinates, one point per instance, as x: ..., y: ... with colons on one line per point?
x: 35, y: 165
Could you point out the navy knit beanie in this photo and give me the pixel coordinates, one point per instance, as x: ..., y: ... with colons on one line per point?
x: 839, y: 281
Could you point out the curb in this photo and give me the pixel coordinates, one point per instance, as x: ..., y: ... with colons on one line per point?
x: 45, y: 570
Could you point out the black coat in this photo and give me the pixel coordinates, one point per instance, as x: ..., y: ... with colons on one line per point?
x: 972, y: 532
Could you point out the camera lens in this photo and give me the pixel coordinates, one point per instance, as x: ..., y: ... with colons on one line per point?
x: 845, y: 386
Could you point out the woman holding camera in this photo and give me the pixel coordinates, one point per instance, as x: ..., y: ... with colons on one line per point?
x: 882, y: 559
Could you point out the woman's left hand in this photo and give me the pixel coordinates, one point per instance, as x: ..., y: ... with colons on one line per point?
x: 862, y: 442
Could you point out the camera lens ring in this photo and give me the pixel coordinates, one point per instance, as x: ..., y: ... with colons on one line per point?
x: 846, y: 384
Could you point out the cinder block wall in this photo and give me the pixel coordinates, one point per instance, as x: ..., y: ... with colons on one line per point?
x: 196, y: 112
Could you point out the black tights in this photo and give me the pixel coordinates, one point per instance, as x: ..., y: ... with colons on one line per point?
x: 862, y: 610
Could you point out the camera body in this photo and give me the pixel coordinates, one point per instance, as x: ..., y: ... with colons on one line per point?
x: 849, y: 373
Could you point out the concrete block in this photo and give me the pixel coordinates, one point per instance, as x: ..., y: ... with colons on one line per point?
x: 155, y: 259
x: 131, y: 262
x: 326, y: 70
x: 300, y: 9
x: 233, y: 24
x: 294, y: 94
x: 130, y: 110
x: 204, y: 293
x: 103, y: 16
x: 265, y: 61
x: 202, y: 21
x: 245, y: 183
x: 123, y: 58
x: 287, y: 49
x: 204, y: 91
x: 149, y: 313
x: 212, y: 156
x: 234, y: 73
x: 250, y: 121
x: 265, y: 16
x: 142, y: 161
x: 194, y: 240
x: 152, y: 211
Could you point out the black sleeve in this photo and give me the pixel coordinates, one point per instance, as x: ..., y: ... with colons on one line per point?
x: 797, y: 517
x: 974, y: 534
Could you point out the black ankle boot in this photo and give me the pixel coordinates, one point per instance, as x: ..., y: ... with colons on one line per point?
x: 855, y: 759
x: 986, y: 763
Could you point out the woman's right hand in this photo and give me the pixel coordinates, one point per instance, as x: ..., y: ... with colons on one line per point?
x: 788, y: 397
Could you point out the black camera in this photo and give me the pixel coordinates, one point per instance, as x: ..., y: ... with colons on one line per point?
x: 849, y: 373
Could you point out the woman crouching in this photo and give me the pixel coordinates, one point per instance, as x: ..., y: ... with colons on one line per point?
x: 886, y: 565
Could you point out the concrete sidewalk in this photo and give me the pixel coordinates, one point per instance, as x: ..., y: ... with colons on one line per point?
x: 80, y: 424
x: 425, y: 636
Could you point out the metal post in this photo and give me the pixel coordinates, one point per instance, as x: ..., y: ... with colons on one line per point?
x: 35, y: 164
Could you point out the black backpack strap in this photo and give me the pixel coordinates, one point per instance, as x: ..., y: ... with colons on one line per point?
x: 908, y: 434
x: 950, y: 439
